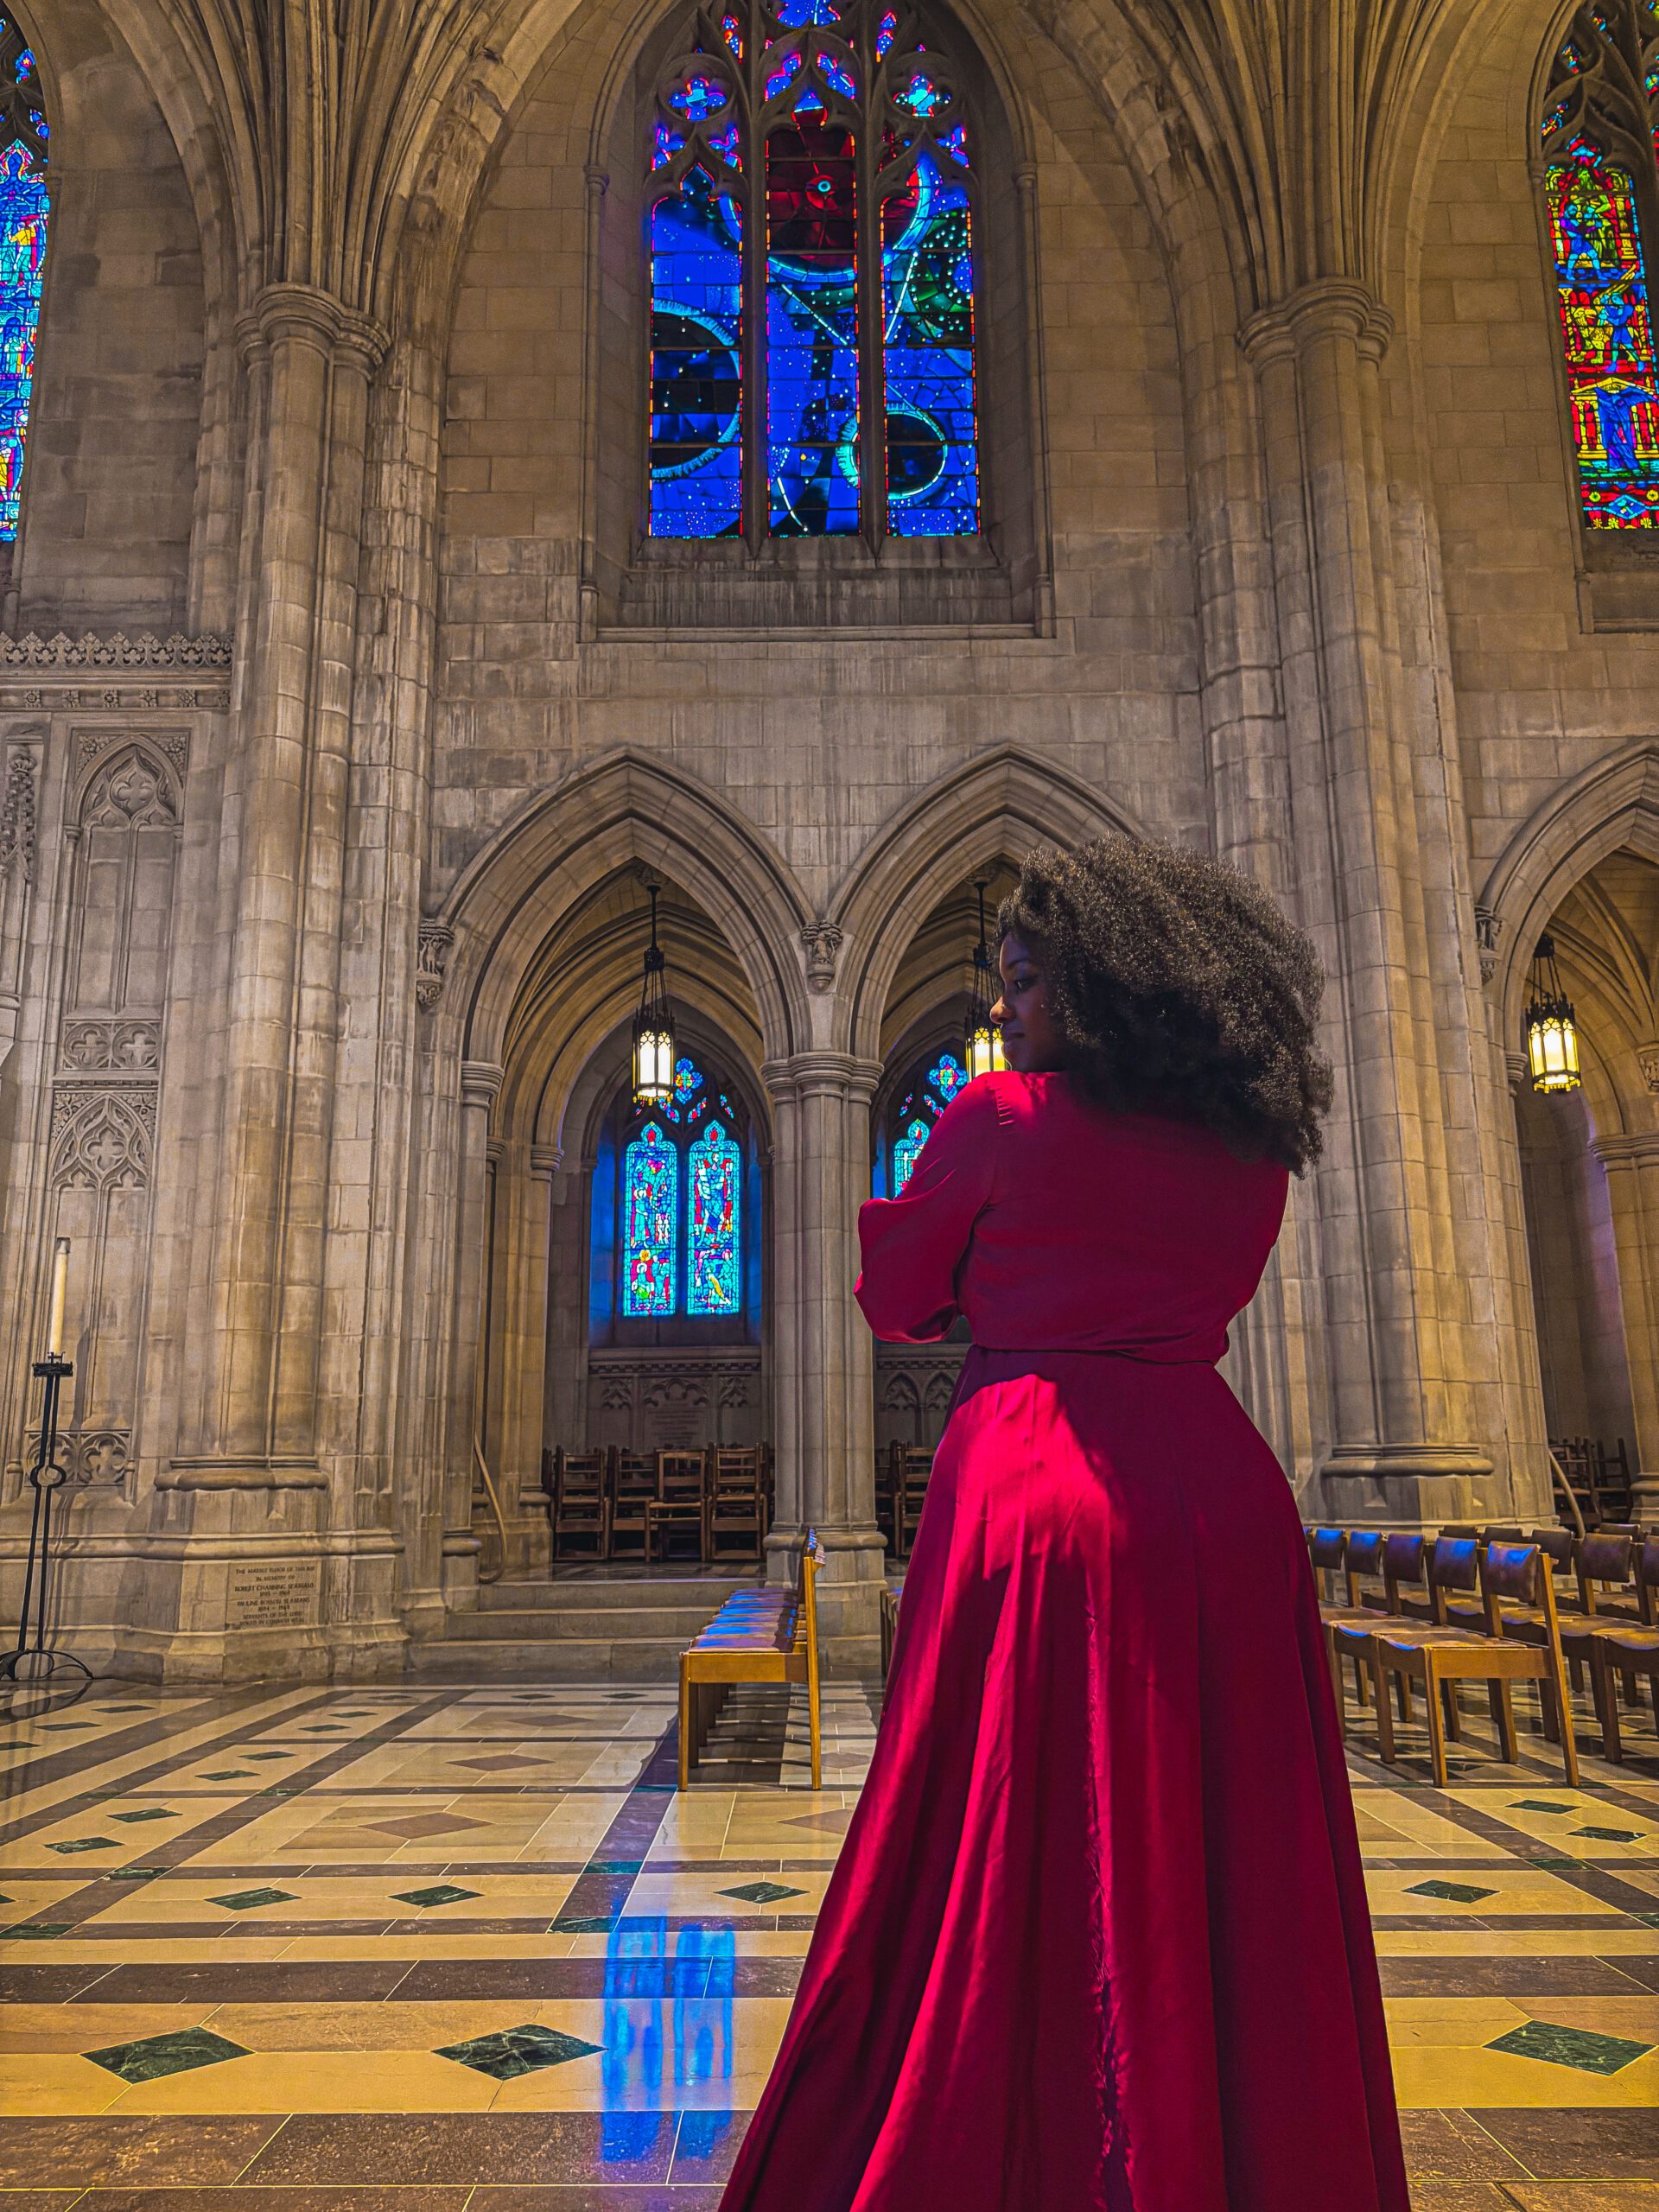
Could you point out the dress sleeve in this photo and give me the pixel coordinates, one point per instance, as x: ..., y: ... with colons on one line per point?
x: 913, y: 1245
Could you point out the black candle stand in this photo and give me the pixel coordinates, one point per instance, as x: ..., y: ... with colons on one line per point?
x: 33, y: 1663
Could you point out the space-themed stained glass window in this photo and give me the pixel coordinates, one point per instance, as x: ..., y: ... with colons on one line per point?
x: 22, y: 255
x: 714, y: 1280
x: 650, y: 1213
x: 812, y: 276
x: 1601, y: 197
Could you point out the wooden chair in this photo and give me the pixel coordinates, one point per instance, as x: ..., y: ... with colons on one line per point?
x: 757, y: 1636
x: 1623, y: 1648
x: 681, y: 1503
x: 1440, y: 1658
x: 737, y: 1502
x: 633, y: 1488
x: 1348, y: 1636
x: 580, y: 1506
x: 1357, y: 1555
x: 911, y: 1466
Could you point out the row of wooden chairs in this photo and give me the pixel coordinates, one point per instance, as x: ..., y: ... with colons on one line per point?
x: 610, y: 1504
x: 765, y: 1634
x: 1598, y: 1478
x: 901, y: 1490
x: 1483, y: 1606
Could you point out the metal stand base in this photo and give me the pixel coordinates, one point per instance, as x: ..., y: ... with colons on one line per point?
x: 34, y: 1666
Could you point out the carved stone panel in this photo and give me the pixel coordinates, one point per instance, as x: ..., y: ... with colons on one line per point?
x: 658, y: 1401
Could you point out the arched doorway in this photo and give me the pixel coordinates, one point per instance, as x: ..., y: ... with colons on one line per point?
x: 1590, y: 1181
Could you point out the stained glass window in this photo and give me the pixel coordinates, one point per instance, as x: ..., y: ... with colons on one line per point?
x: 809, y: 158
x: 650, y: 1216
x: 1607, y: 332
x: 714, y: 1242
x: 22, y: 255
x: 905, y: 1152
x: 947, y: 1076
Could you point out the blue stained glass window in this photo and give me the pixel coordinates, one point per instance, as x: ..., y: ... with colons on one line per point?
x: 651, y: 1214
x: 22, y: 262
x: 696, y: 376
x: 928, y: 286
x: 829, y: 425
x: 812, y: 328
x: 1606, y: 333
x: 907, y: 1152
x: 947, y: 1076
x: 714, y: 1245
x: 688, y: 1081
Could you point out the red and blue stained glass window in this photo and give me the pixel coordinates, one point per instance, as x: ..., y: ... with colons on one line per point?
x: 906, y: 1151
x: 1607, y: 333
x: 650, y: 1212
x: 22, y: 257
x: 714, y: 1280
x: 813, y: 423
x: 681, y: 1242
x: 918, y: 1109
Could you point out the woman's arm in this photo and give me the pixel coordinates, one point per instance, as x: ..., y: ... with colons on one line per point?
x: 913, y: 1245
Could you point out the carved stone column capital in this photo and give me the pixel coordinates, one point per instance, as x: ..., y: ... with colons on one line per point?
x: 841, y: 1075
x: 304, y: 315
x: 546, y: 1159
x: 1330, y: 307
x: 480, y: 1083
x: 1634, y: 1148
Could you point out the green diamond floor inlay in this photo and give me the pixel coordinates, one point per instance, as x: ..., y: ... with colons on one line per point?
x: 146, y: 1813
x: 229, y: 1773
x: 768, y: 1892
x: 86, y: 1843
x: 135, y: 1874
x: 581, y: 1924
x: 152, y: 2057
x: 1612, y: 1835
x: 245, y: 1900
x: 440, y: 1893
x: 38, y: 1928
x: 1581, y: 2048
x: 1538, y: 1805
x: 1456, y: 1892
x: 517, y: 2050
x: 265, y: 1755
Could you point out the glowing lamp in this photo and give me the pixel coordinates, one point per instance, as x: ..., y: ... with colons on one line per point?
x: 1551, y: 1031
x: 983, y: 1052
x: 653, y: 1029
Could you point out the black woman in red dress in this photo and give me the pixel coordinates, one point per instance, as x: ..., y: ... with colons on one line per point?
x: 1097, y: 1939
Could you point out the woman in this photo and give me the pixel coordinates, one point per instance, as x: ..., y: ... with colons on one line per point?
x: 1097, y: 1937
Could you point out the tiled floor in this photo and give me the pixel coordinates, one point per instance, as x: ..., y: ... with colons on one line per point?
x: 413, y: 1950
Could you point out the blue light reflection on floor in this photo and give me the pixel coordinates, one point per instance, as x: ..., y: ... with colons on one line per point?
x: 667, y: 2002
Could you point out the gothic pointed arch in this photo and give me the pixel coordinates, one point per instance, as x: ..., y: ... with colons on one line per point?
x: 994, y: 807
x: 568, y: 839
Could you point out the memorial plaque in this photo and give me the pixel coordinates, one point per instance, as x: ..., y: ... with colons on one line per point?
x: 272, y: 1593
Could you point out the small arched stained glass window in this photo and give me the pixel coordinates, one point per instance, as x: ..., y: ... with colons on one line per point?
x: 714, y: 1273
x: 22, y: 255
x: 650, y: 1213
x: 947, y: 1076
x: 906, y: 1151
x: 813, y: 281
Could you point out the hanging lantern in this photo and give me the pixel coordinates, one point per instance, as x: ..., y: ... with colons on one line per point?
x: 653, y: 1029
x: 1552, y: 1032
x: 984, y: 1052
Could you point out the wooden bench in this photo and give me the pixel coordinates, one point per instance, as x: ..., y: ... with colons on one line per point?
x: 757, y: 1636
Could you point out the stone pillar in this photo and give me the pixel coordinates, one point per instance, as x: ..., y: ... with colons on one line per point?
x: 286, y: 795
x: 1632, y: 1165
x: 481, y: 1086
x: 823, y: 1366
x: 519, y: 1350
x: 1414, y: 1395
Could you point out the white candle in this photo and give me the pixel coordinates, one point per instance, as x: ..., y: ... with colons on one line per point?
x: 60, y: 1285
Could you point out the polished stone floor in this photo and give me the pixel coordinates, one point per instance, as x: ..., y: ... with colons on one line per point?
x: 422, y: 1950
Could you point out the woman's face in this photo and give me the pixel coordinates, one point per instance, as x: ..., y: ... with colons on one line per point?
x: 1031, y: 1041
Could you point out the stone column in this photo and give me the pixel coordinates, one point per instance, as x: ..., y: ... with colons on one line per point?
x: 1414, y: 1394
x: 285, y: 795
x: 1632, y: 1165
x: 823, y: 1367
x: 519, y: 1350
x: 481, y: 1086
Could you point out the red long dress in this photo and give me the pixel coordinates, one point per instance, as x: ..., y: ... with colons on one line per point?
x: 1097, y: 1937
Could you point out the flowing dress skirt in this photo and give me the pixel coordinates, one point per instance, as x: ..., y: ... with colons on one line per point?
x: 1097, y: 1937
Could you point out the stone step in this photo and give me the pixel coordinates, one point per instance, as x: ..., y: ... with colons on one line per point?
x: 629, y: 1594
x: 567, y: 1623
x: 551, y: 1659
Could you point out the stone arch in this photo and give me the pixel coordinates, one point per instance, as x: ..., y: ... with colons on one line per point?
x: 1001, y: 803
x: 1613, y: 802
x: 568, y: 839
